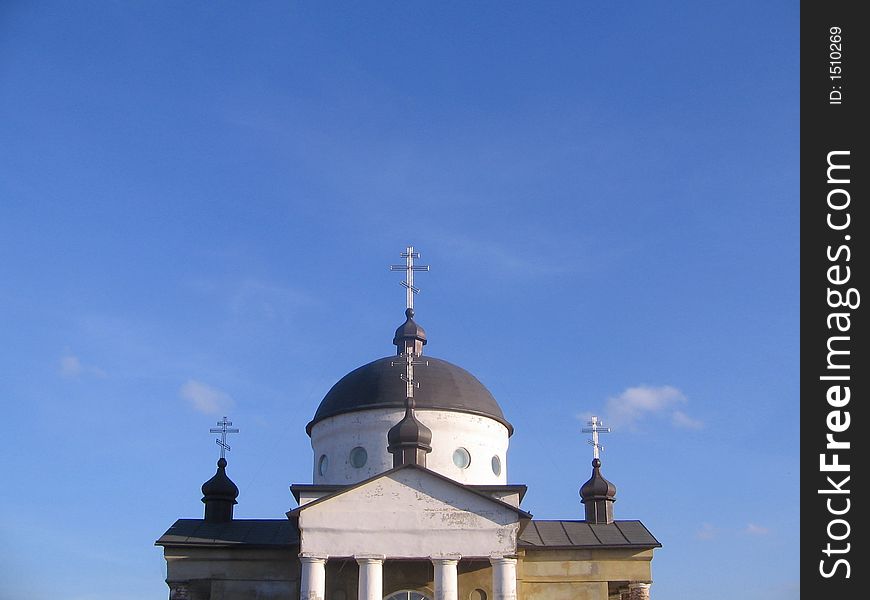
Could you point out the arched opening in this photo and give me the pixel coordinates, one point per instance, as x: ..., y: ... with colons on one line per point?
x: 407, y: 595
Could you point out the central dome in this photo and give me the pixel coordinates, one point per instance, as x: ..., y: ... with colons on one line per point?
x: 443, y: 386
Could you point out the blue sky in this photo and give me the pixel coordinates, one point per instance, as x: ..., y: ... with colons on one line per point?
x: 199, y: 202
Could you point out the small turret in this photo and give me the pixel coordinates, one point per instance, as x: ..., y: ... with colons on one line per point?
x: 409, y: 441
x: 219, y: 495
x: 410, y: 337
x: 598, y: 495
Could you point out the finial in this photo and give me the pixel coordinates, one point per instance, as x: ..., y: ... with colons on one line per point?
x: 219, y: 493
x: 223, y: 428
x: 409, y: 439
x: 597, y: 494
x: 595, y: 428
x: 409, y: 267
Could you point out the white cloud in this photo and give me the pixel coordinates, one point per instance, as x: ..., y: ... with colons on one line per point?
x: 71, y: 366
x: 636, y: 403
x: 684, y: 421
x: 206, y: 399
x: 753, y: 529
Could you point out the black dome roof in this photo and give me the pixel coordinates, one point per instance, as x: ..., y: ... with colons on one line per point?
x: 443, y: 386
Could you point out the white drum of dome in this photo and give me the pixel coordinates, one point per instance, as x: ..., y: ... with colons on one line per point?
x: 482, y: 437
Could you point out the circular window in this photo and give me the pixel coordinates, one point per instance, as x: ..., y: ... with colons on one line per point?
x: 477, y: 594
x: 358, y: 457
x: 461, y: 458
x: 496, y: 465
x: 322, y: 464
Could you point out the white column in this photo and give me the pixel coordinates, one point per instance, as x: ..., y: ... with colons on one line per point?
x: 371, y: 576
x: 504, y: 578
x: 313, y: 585
x: 638, y: 590
x: 446, y: 587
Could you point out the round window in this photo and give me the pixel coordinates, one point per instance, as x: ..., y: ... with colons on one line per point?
x: 496, y: 465
x: 358, y: 457
x: 461, y: 458
x: 322, y: 464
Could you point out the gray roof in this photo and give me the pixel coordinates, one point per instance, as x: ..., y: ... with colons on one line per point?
x: 378, y: 384
x: 238, y: 532
x: 283, y: 532
x: 580, y: 534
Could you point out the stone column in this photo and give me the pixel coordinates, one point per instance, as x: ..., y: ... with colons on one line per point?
x: 446, y: 587
x: 313, y: 585
x: 371, y: 576
x: 504, y: 578
x: 179, y: 591
x: 638, y: 591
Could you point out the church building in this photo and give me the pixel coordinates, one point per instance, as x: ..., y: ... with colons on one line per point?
x: 409, y: 501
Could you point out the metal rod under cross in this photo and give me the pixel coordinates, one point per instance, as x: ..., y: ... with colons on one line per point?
x: 409, y: 267
x: 223, y: 428
x: 595, y: 428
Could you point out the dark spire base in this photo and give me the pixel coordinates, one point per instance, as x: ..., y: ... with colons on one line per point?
x: 599, y: 511
x: 409, y: 455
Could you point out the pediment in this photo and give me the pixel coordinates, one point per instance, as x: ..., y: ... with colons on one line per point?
x: 409, y: 512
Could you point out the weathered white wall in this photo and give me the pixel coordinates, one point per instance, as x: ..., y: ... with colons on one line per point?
x: 408, y: 514
x: 481, y: 436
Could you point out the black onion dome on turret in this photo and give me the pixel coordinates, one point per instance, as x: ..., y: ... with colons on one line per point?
x: 598, y: 496
x: 597, y: 487
x: 443, y: 386
x: 409, y: 430
x: 219, y: 495
x: 409, y: 332
x: 220, y: 486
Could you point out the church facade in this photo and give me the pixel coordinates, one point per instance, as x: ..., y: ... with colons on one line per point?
x: 409, y: 501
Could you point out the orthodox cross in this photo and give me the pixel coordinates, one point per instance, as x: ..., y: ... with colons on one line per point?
x: 595, y: 427
x: 409, y: 267
x: 223, y: 428
x: 410, y: 360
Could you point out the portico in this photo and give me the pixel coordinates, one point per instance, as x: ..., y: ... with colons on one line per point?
x: 371, y: 577
x: 408, y: 514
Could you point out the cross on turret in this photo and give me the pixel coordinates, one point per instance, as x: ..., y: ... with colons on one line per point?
x: 409, y: 267
x: 595, y: 427
x: 223, y: 428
